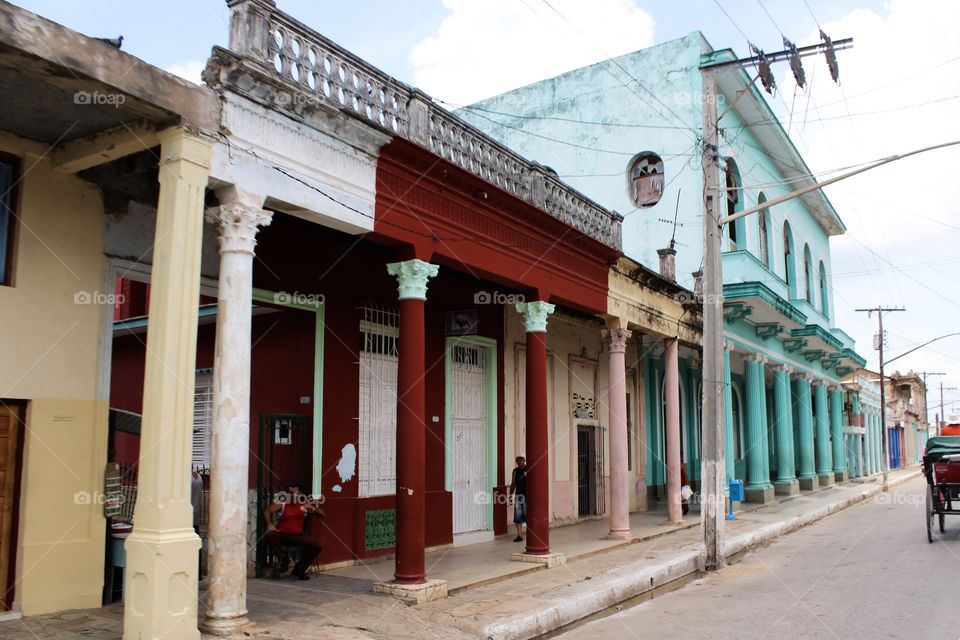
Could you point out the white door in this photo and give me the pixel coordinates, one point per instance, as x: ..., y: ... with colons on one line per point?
x: 471, y: 487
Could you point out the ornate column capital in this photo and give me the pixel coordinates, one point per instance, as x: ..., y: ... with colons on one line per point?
x: 617, y: 339
x: 412, y: 276
x: 781, y: 367
x: 818, y: 382
x: 802, y: 375
x: 729, y: 346
x: 757, y: 357
x: 239, y: 222
x: 835, y: 388
x: 535, y: 315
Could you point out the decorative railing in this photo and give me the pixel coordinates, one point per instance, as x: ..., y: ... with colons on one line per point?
x: 320, y: 70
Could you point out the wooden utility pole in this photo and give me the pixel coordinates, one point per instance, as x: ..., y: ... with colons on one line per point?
x: 883, y: 402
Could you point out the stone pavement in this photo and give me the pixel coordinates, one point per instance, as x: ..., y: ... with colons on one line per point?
x: 491, y: 597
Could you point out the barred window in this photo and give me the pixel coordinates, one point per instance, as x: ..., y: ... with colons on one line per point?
x: 379, y: 356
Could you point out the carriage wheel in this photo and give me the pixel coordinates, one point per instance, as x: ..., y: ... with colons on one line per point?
x: 942, y: 515
x: 930, y: 510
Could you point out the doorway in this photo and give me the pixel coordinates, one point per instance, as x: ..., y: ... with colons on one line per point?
x: 590, y: 500
x: 471, y: 436
x: 10, y: 448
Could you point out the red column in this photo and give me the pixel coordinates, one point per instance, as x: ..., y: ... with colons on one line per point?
x: 538, y: 440
x: 411, y: 420
x: 538, y: 446
x: 411, y: 445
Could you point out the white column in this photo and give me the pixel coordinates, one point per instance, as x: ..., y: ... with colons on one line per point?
x: 240, y: 215
x: 619, y: 476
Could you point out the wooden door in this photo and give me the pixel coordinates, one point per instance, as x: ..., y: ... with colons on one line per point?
x: 9, y: 435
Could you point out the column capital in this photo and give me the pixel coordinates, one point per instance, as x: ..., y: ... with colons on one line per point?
x: 729, y: 346
x: 412, y: 276
x: 818, y: 382
x: 802, y: 375
x: 617, y: 339
x: 757, y: 357
x: 835, y: 388
x: 781, y: 367
x: 239, y: 221
x: 535, y: 315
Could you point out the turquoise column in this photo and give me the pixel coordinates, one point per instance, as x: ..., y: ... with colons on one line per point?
x: 824, y: 453
x: 807, y: 475
x: 786, y: 483
x: 867, y: 444
x: 840, y: 471
x: 765, y: 422
x: 728, y: 414
x: 758, y: 488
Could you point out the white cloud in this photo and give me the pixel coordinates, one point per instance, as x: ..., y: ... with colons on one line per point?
x: 485, y: 48
x: 189, y: 70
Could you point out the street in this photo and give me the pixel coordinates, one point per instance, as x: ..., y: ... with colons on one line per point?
x: 867, y: 572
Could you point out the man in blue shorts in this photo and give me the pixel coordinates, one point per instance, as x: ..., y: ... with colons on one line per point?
x: 518, y: 491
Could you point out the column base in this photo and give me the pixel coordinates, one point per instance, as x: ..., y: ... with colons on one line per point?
x: 413, y: 593
x: 224, y: 627
x: 826, y: 479
x: 841, y: 476
x: 160, y: 584
x: 786, y: 488
x: 619, y: 534
x: 808, y: 484
x: 759, y: 495
x: 548, y: 560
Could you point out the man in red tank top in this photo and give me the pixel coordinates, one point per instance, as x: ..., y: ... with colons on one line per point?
x: 288, y: 530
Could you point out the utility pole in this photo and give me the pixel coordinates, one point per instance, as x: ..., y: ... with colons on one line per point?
x: 926, y: 411
x: 943, y: 418
x: 713, y: 465
x: 883, y: 399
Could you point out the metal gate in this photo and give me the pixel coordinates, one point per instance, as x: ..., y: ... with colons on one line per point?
x: 590, y: 485
x: 470, y: 424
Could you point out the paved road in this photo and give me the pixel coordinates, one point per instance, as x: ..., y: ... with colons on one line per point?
x: 867, y: 572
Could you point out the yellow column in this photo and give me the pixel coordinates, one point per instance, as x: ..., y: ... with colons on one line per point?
x: 161, y: 577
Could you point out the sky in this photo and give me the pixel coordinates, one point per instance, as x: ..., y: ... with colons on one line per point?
x: 899, y: 91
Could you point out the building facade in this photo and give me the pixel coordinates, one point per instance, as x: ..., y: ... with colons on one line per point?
x: 637, y: 150
x: 909, y: 428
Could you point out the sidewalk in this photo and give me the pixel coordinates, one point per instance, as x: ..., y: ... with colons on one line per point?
x: 492, y: 597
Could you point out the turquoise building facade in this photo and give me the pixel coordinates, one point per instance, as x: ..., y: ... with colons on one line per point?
x: 628, y: 133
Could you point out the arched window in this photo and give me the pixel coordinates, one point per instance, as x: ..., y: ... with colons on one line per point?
x: 824, y: 298
x: 807, y: 274
x: 788, y: 268
x: 645, y: 179
x: 762, y: 221
x: 734, y: 200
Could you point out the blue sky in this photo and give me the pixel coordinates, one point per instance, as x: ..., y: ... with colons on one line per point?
x: 901, y: 247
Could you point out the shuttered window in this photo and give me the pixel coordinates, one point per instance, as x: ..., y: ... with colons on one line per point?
x: 202, y: 419
x: 379, y: 356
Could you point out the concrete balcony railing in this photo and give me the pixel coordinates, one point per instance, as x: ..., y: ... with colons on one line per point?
x: 743, y: 266
x: 318, y: 70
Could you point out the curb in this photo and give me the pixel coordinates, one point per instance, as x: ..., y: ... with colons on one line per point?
x: 610, y: 592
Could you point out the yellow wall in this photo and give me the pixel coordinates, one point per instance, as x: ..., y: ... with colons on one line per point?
x: 49, y: 350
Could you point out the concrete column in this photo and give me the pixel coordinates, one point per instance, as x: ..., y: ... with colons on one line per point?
x: 160, y: 582
x: 617, y: 337
x: 239, y: 216
x: 840, y: 471
x: 758, y: 487
x: 807, y: 475
x: 671, y: 390
x: 729, y: 453
x: 412, y: 277
x: 765, y: 422
x: 786, y: 483
x: 824, y: 449
x: 538, y: 440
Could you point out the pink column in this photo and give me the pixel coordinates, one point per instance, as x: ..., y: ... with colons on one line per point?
x: 671, y: 384
x: 617, y: 405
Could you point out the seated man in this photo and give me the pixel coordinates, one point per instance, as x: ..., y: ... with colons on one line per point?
x: 288, y: 530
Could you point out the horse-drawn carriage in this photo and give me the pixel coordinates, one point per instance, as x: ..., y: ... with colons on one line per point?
x: 941, y: 467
